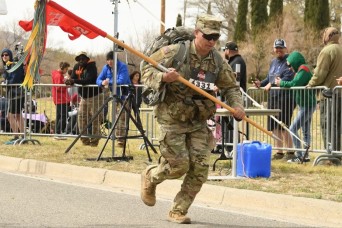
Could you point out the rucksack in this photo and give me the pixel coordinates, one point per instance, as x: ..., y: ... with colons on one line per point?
x: 172, y: 35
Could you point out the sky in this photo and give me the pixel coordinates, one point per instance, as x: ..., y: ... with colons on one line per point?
x: 134, y: 16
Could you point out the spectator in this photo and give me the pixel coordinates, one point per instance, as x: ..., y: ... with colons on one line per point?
x: 135, y: 77
x: 85, y: 73
x: 15, y: 94
x: 71, y: 127
x: 185, y: 140
x: 279, y: 99
x: 305, y: 100
x: 231, y: 53
x: 105, y: 79
x: 328, y: 68
x: 60, y: 97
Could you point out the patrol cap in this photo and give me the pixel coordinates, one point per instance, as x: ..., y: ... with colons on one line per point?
x: 231, y: 45
x: 82, y: 53
x: 208, y: 24
x: 279, y: 43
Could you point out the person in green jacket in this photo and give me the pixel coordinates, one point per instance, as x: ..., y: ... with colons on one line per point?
x: 327, y: 70
x: 305, y: 100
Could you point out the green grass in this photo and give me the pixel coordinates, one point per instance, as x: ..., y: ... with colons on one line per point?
x: 319, y: 182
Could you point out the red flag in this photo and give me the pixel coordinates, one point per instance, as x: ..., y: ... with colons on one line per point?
x: 70, y: 23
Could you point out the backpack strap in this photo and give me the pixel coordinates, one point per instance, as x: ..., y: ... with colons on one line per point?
x: 218, y: 61
x: 181, y: 55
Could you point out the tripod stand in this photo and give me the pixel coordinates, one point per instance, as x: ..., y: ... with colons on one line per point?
x: 126, y: 106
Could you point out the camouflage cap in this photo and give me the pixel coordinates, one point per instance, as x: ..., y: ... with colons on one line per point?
x: 208, y: 24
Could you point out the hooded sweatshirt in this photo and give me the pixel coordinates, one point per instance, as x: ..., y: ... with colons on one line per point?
x: 16, y: 77
x: 304, y: 98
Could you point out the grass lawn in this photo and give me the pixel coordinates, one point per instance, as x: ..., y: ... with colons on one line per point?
x: 320, y: 182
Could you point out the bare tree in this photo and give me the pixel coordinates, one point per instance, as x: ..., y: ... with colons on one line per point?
x: 225, y: 8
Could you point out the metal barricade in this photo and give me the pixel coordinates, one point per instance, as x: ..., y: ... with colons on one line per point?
x: 261, y: 100
x: 39, y: 115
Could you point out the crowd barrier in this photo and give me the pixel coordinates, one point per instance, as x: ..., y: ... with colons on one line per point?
x: 39, y: 115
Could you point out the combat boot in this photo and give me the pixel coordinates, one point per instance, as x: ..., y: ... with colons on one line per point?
x: 148, y: 189
x: 178, y: 218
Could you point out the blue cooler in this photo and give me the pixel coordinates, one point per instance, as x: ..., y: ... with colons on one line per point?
x: 254, y: 159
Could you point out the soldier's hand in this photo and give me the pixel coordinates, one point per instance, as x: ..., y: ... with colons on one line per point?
x: 239, y: 113
x: 170, y: 76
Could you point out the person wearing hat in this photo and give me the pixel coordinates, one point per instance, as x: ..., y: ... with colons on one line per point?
x: 85, y: 74
x: 328, y: 69
x: 279, y: 99
x: 185, y: 139
x: 231, y: 53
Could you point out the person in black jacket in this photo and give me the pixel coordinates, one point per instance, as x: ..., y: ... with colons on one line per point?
x: 85, y: 74
x: 231, y: 53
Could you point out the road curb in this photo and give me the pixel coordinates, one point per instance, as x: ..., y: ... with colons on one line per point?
x: 306, y: 211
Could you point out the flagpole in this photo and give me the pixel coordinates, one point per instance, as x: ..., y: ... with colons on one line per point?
x: 189, y: 84
x: 93, y: 29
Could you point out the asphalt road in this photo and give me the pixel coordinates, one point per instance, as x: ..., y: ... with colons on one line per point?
x: 27, y: 201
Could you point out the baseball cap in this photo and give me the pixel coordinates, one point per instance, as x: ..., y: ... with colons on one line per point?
x: 209, y: 24
x: 279, y: 43
x: 82, y: 53
x: 231, y: 45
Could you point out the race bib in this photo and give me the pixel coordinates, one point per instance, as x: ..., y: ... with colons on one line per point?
x: 203, y: 79
x: 202, y: 84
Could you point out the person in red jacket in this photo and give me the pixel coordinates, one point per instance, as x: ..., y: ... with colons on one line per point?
x: 60, y: 97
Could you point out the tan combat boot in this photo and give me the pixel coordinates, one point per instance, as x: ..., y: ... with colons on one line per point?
x: 148, y: 189
x: 178, y: 218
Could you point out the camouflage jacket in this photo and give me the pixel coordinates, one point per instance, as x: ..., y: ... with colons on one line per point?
x: 182, y: 104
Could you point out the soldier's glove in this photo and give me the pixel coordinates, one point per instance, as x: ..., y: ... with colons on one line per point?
x: 69, y: 81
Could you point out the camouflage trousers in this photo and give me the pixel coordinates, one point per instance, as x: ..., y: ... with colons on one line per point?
x: 88, y: 107
x: 184, y: 152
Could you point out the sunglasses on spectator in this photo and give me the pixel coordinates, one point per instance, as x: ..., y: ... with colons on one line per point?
x: 209, y: 37
x: 4, y: 55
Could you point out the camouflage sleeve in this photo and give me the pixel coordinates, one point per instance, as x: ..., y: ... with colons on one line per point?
x: 151, y: 76
x: 230, y: 91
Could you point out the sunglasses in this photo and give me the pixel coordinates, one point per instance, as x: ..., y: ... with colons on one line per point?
x: 209, y: 37
x: 4, y: 55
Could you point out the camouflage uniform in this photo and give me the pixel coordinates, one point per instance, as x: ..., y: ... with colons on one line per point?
x: 185, y: 140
